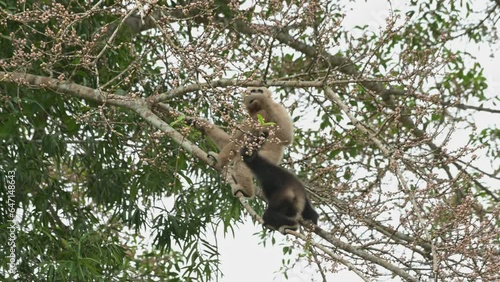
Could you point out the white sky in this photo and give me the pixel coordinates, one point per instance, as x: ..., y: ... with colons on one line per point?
x: 245, y: 259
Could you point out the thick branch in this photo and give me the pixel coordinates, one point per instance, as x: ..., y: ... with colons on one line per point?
x: 476, y: 108
x: 226, y: 82
x: 154, y: 120
x: 66, y: 87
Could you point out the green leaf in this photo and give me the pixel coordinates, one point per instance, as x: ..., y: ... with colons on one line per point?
x: 263, y: 122
x: 179, y: 119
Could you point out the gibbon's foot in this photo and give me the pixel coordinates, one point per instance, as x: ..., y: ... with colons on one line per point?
x: 283, y: 228
x: 213, y: 158
x: 309, y: 224
x: 241, y: 193
x: 237, y: 188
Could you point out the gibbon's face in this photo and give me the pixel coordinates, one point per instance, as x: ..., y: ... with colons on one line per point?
x: 254, y: 97
x: 252, y: 104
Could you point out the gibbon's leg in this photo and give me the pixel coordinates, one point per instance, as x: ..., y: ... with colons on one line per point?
x: 242, y: 177
x: 309, y: 213
x: 227, y: 153
x: 231, y: 149
x: 214, y: 133
x: 278, y: 221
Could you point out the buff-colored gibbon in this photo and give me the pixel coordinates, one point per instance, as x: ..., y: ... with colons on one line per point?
x: 277, y: 125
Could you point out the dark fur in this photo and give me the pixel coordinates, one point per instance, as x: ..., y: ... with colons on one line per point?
x: 285, y: 194
x: 257, y: 101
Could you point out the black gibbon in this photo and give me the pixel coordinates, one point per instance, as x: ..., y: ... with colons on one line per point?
x: 285, y: 194
x: 257, y: 101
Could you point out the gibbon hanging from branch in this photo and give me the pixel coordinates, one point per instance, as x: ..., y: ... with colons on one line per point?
x: 277, y: 125
x: 285, y: 195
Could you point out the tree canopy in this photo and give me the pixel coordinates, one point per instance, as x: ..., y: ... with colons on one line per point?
x: 395, y: 135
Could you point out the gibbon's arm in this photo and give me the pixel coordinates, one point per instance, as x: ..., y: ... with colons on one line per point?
x: 227, y: 145
x: 214, y: 133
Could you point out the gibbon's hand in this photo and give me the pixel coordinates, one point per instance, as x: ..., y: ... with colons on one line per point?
x: 190, y: 120
x: 282, y: 229
x: 213, y: 157
x: 263, y: 134
x: 197, y: 123
x: 248, y: 154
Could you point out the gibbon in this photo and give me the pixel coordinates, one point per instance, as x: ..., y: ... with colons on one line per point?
x: 257, y: 101
x: 285, y: 195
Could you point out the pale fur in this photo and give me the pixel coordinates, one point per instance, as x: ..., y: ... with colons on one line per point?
x: 257, y: 100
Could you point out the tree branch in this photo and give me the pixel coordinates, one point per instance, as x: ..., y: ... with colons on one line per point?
x: 348, y: 67
x: 67, y: 87
x: 226, y: 82
x: 367, y: 256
